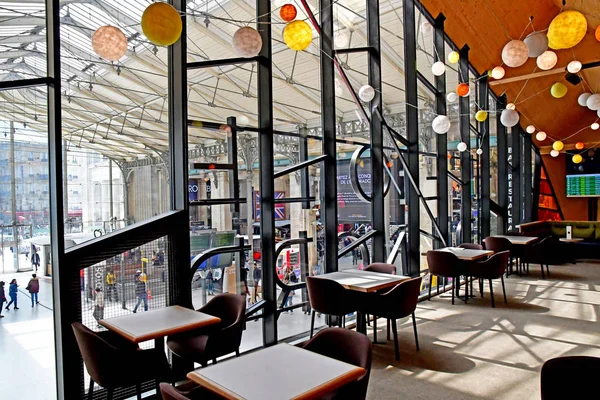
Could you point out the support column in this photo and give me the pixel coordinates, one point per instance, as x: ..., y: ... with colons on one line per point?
x: 502, y: 164
x: 465, y: 156
x: 514, y: 190
x: 527, y: 178
x: 442, y: 140
x: 13, y: 198
x: 484, y: 160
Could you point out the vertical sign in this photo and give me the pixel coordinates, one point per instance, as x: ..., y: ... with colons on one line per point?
x: 509, y: 207
x: 209, y: 217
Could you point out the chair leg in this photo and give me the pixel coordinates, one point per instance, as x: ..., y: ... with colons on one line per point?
x: 503, y: 289
x: 110, y: 393
x: 481, y: 287
x: 415, y: 329
x: 91, y: 389
x: 312, y: 323
x: 492, y: 294
x: 389, y: 327
x: 395, y: 331
x: 237, y: 352
x: 374, y: 329
x: 138, y: 391
x: 344, y: 321
x: 548, y: 269
x: 214, y: 361
x: 543, y: 275
x: 430, y: 283
x: 472, y: 288
x: 368, y: 321
x: 453, y: 284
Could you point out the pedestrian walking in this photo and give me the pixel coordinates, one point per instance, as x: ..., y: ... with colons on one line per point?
x: 244, y: 278
x: 35, y: 258
x: 256, y: 277
x: 33, y: 287
x: 2, y: 298
x: 210, y: 286
x: 111, y: 281
x: 140, y: 291
x: 98, y: 313
x: 12, y: 293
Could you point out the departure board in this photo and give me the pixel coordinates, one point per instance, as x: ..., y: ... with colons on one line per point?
x: 587, y: 185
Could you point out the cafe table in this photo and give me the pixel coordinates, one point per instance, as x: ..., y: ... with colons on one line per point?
x: 364, y: 281
x: 468, y: 254
x: 278, y: 372
x: 156, y: 324
x: 519, y: 240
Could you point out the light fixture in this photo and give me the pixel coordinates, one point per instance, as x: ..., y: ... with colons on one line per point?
x: 242, y: 121
x: 341, y: 38
x: 451, y: 97
x: 395, y: 155
x: 593, y: 102
x: 441, y: 124
x: 481, y: 115
x: 453, y: 57
x: 547, y: 60
x: 595, y: 126
x: 109, y: 43
x: 509, y: 118
x: 554, y: 153
x: 246, y: 42
x: 579, y: 145
x: 463, y: 89
x: 366, y: 93
x: 479, y: 151
x: 574, y: 66
x: 426, y: 28
x: 498, y: 72
x: 577, y: 158
x: 515, y: 53
x: 558, y: 90
x: 558, y: 145
x: 566, y: 30
x: 530, y: 129
x: 540, y: 136
x: 537, y: 42
x: 297, y: 35
x: 462, y: 146
x: 288, y: 12
x: 438, y: 68
x: 511, y: 106
x: 582, y: 99
x: 161, y: 24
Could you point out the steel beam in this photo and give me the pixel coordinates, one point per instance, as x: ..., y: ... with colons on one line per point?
x: 484, y: 161
x: 527, y: 178
x: 515, y: 164
x: 465, y: 156
x: 442, y: 140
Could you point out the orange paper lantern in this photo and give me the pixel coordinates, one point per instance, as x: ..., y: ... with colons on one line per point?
x: 579, y: 146
x: 463, y: 90
x: 598, y: 33
x: 449, y: 156
x: 288, y: 12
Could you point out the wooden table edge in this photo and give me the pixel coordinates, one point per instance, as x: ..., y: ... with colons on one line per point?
x: 213, y: 386
x: 332, y: 384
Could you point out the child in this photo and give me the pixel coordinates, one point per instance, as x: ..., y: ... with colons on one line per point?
x: 2, y: 297
x: 12, y: 293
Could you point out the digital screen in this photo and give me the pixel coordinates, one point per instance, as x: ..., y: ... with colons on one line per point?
x: 583, y: 179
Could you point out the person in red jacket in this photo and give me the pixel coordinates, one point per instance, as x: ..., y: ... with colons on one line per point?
x: 34, y: 288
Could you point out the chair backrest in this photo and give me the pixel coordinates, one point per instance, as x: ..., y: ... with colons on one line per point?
x: 497, y: 244
x: 350, y: 347
x: 471, y: 246
x: 98, y: 355
x: 231, y: 308
x: 329, y: 297
x: 382, y: 268
x: 402, y: 299
x: 569, y: 377
x: 444, y: 263
x: 492, y: 268
x: 168, y: 392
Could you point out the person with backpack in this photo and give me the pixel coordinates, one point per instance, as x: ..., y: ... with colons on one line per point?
x: 2, y: 297
x: 12, y: 293
x: 33, y: 287
x: 140, y: 291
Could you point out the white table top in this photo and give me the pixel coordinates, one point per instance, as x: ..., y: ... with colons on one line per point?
x: 519, y: 239
x: 467, y: 254
x: 155, y: 324
x: 364, y: 281
x: 292, y: 373
x: 572, y: 240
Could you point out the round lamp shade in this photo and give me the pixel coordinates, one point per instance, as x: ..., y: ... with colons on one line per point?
x: 463, y: 90
x: 394, y: 155
x: 566, y: 30
x: 537, y: 43
x: 530, y: 129
x: 540, y: 136
x: 515, y: 53
x: 577, y: 158
x: 242, y: 121
x: 558, y: 90
x: 297, y: 35
x: 509, y: 118
x: 574, y: 66
x: 583, y: 98
x: 593, y: 102
x: 595, y: 125
x: 161, y: 24
x: 366, y: 93
x: 558, y: 145
x: 438, y: 68
x: 511, y: 106
x: 451, y: 97
x: 288, y: 12
x: 547, y: 60
x: 341, y: 38
x: 426, y: 28
x: 498, y: 73
x: 479, y: 152
x: 453, y: 57
x: 554, y: 153
x: 441, y: 124
x: 389, y: 164
x: 481, y: 115
x: 462, y: 146
x: 246, y: 42
x: 597, y: 33
x: 579, y: 145
x: 109, y: 43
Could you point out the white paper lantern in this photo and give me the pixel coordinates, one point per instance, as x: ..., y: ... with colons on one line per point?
x: 246, y: 42
x: 582, y: 99
x: 462, y: 146
x: 479, y: 151
x: 593, y: 102
x: 540, y: 136
x: 242, y: 121
x: 511, y: 106
x: 441, y: 124
x: 598, y: 113
x: 574, y: 66
x: 554, y: 153
x: 426, y: 28
x: 366, y: 93
x: 438, y: 68
x: 341, y: 38
x: 537, y: 43
x: 109, y: 43
x: 530, y: 129
x: 451, y: 97
x: 547, y: 60
x: 595, y: 126
x: 515, y: 53
x: 509, y: 118
x: 498, y: 72
x: 338, y: 88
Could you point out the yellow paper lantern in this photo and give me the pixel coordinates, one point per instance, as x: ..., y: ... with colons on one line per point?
x: 297, y: 35
x: 481, y: 115
x: 577, y: 158
x: 566, y: 30
x: 453, y: 57
x: 558, y: 145
x: 558, y: 90
x: 161, y: 24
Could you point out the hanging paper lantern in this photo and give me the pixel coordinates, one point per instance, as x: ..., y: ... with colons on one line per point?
x: 579, y: 145
x: 530, y: 129
x: 426, y: 28
x: 288, y: 12
x: 593, y: 102
x: 341, y: 38
x: 462, y: 146
x: 453, y: 57
x: 389, y: 164
x: 511, y: 106
x: 438, y: 68
x: 451, y: 97
x: 498, y: 73
x: 339, y: 91
x: 509, y: 118
x: 161, y: 24
x: 463, y: 89
x: 558, y: 145
x: 366, y: 93
x: 558, y: 90
x: 109, y: 43
x: 595, y: 125
x: 242, y: 121
x: 394, y: 155
x: 566, y: 30
x: 481, y: 115
x: 449, y: 156
x: 598, y: 113
x: 547, y: 60
x: 515, y: 53
x: 582, y: 99
x: 297, y: 35
x: 361, y: 164
x: 441, y: 124
x: 574, y: 66
x: 537, y: 43
x: 479, y: 151
x: 577, y: 158
x: 540, y: 136
x: 246, y: 42
x: 597, y: 33
x: 554, y: 153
